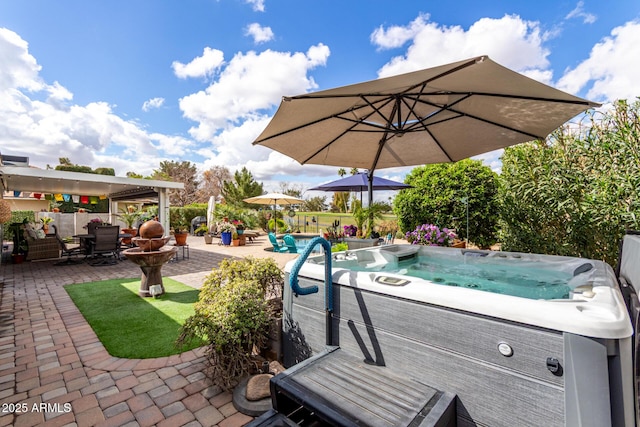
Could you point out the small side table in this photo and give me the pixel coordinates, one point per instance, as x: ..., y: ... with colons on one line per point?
x: 185, y: 252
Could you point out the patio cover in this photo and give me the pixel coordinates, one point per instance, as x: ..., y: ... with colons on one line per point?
x: 23, y: 178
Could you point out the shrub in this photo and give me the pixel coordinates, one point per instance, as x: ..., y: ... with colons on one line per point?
x: 575, y: 193
x: 440, y: 194
x: 233, y: 316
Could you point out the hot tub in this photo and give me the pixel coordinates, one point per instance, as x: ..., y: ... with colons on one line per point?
x: 521, y: 339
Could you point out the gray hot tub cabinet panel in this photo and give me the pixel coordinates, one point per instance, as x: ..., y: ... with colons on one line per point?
x: 449, y: 350
x: 463, y: 333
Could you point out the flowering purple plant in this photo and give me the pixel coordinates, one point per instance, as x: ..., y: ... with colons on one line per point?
x: 350, y: 230
x: 429, y: 234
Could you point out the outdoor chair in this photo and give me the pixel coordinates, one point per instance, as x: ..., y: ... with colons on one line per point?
x: 67, y: 250
x: 290, y: 243
x: 277, y: 246
x: 106, y: 245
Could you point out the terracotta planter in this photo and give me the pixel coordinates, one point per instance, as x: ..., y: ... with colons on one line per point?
x: 132, y: 231
x: 181, y: 238
x: 17, y: 258
x: 235, y: 242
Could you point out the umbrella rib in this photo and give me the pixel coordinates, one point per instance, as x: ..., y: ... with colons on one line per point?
x: 349, y: 129
x: 385, y: 134
x: 463, y: 114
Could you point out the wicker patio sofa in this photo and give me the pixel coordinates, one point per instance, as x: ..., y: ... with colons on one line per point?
x: 40, y: 246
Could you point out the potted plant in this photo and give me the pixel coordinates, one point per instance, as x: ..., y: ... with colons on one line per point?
x: 204, y: 230
x: 55, y: 206
x: 129, y: 215
x: 431, y: 235
x: 235, y: 239
x: 46, y: 220
x: 180, y: 225
x: 238, y: 225
x: 20, y: 245
x: 226, y: 230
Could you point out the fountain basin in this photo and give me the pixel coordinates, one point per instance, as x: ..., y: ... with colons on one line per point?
x: 150, y: 244
x: 150, y: 263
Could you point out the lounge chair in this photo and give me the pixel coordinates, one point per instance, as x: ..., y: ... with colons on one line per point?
x: 277, y: 247
x: 290, y: 242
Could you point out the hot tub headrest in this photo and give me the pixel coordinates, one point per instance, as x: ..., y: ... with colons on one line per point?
x: 628, y: 263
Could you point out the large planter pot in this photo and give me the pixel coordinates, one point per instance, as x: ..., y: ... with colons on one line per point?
x: 17, y: 258
x: 208, y: 239
x: 239, y: 232
x: 235, y: 242
x: 132, y: 231
x: 181, y: 238
x: 226, y: 238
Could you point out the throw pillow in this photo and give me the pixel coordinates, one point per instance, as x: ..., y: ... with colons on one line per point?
x: 40, y: 234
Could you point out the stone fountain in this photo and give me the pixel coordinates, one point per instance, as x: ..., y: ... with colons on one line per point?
x: 151, y: 254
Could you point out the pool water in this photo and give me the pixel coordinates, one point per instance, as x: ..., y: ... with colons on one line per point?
x: 302, y: 242
x: 521, y: 279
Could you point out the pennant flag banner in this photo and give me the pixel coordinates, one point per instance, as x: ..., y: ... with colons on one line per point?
x: 84, y: 199
x: 37, y: 195
x: 58, y: 197
x: 66, y: 197
x: 16, y: 193
x: 103, y: 197
x: 93, y: 200
x: 75, y: 198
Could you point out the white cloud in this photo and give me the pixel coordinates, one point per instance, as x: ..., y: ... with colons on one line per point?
x: 578, y: 12
x: 510, y: 41
x: 90, y: 134
x: 201, y: 66
x: 396, y: 36
x: 257, y: 5
x: 19, y: 68
x: 250, y: 83
x: 152, y: 104
x: 611, y: 71
x: 259, y: 33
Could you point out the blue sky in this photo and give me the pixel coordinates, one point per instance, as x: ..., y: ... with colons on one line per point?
x: 128, y: 84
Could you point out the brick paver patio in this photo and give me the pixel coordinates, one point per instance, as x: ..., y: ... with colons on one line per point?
x: 55, y: 372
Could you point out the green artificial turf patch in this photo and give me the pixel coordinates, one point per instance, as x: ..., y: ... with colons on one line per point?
x: 131, y: 326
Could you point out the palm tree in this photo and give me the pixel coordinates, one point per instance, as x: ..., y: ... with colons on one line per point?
x: 354, y: 171
x: 342, y: 172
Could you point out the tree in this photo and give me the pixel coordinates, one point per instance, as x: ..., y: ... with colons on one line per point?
x: 213, y: 180
x: 241, y: 187
x: 342, y: 172
x: 315, y: 204
x: 575, y: 193
x: 291, y: 189
x: 340, y: 201
x: 184, y: 172
x: 438, y: 197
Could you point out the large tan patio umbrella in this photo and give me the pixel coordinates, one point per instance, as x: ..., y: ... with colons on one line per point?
x: 274, y: 199
x: 441, y: 114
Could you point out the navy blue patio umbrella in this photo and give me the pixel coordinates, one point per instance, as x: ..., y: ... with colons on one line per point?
x: 360, y: 182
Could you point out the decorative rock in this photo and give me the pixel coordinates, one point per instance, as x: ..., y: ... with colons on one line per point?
x: 258, y: 387
x: 275, y: 367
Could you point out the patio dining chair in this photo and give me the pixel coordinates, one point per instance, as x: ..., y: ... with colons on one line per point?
x: 106, y: 245
x: 277, y: 246
x: 290, y: 243
x: 67, y: 250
